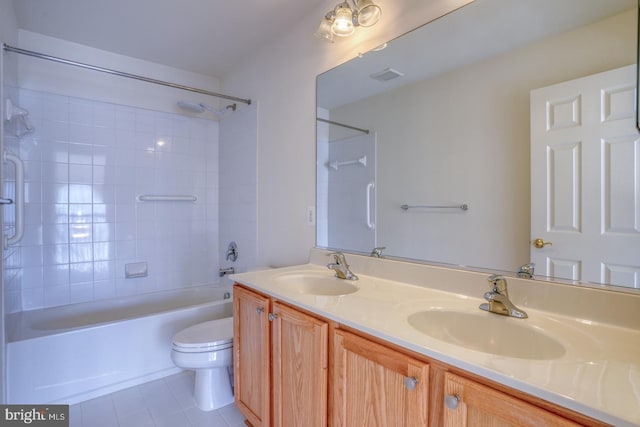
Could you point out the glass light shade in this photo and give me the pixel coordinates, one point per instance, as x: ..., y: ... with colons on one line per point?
x: 368, y: 12
x: 343, y: 22
x: 324, y: 30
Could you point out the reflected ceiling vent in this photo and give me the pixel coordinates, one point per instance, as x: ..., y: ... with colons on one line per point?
x: 386, y: 75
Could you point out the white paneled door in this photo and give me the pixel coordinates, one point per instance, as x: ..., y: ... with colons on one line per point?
x: 585, y: 179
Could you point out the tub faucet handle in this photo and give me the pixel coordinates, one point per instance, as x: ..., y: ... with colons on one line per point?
x: 232, y: 252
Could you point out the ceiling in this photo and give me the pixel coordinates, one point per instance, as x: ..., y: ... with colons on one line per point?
x: 202, y: 36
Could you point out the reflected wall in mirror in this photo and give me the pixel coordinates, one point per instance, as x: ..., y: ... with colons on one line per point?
x: 451, y: 122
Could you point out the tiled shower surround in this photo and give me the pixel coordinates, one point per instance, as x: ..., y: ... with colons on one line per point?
x: 85, y: 165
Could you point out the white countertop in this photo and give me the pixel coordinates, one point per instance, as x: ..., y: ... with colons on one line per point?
x: 598, y: 375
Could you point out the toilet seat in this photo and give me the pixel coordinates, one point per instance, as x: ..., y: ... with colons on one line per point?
x: 204, y: 337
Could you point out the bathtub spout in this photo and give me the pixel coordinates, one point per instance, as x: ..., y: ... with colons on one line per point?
x: 224, y: 271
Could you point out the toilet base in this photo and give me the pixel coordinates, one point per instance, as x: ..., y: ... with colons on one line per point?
x: 212, y: 389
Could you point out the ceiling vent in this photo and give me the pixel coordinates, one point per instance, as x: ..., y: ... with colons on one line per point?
x: 386, y: 75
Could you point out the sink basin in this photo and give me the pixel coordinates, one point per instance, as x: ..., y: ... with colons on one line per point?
x: 488, y: 333
x: 315, y: 283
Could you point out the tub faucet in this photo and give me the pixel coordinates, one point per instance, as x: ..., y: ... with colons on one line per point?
x: 499, y: 301
x: 341, y: 267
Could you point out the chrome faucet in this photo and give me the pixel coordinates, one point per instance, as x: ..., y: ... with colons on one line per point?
x: 499, y: 301
x: 377, y: 252
x: 526, y: 271
x: 341, y: 267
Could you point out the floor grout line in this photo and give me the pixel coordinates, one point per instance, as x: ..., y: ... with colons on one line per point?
x: 166, y: 402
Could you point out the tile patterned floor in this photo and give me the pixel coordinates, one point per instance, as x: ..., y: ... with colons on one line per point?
x: 167, y: 402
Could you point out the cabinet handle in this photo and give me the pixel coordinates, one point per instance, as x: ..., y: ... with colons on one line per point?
x: 452, y: 401
x: 260, y: 310
x: 410, y: 383
x: 272, y: 317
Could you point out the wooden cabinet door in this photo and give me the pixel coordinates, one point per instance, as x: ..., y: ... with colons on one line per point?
x: 475, y: 405
x: 300, y: 359
x: 369, y: 387
x: 251, y: 356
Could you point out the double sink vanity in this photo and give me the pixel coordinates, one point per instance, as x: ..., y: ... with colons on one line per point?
x: 407, y: 344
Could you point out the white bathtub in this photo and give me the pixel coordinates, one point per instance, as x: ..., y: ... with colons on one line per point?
x: 77, y: 352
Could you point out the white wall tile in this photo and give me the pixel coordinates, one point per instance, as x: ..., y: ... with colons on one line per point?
x: 55, y: 172
x: 56, y: 275
x: 80, y: 253
x: 80, y: 112
x: 55, y: 254
x: 80, y: 174
x: 81, y: 292
x: 86, y: 164
x: 33, y: 192
x: 56, y: 295
x: 32, y: 298
x: 81, y: 212
x: 53, y: 150
x: 80, y: 133
x: 80, y: 153
x: 104, y: 115
x: 104, y: 136
x: 80, y: 272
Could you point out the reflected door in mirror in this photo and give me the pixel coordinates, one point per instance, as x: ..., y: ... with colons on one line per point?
x: 585, y: 158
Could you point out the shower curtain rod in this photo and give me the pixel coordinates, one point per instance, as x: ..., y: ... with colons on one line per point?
x: 342, y: 125
x: 122, y: 74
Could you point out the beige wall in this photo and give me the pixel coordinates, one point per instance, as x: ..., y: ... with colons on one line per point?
x: 281, y: 78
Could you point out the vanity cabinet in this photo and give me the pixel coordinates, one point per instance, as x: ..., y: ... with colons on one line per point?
x: 374, y: 385
x: 283, y: 378
x: 469, y: 403
x: 279, y: 350
x: 251, y: 356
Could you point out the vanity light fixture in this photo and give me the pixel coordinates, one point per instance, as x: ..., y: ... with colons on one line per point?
x: 345, y: 17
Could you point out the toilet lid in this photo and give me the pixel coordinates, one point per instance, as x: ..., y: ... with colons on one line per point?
x: 214, y: 333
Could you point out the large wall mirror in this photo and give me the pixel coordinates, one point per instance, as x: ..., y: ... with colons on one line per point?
x: 498, y: 135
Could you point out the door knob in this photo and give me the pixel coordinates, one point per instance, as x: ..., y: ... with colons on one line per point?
x: 539, y: 243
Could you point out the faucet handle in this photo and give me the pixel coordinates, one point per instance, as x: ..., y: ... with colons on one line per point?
x: 498, y: 283
x: 377, y: 251
x: 338, y: 257
x: 526, y: 271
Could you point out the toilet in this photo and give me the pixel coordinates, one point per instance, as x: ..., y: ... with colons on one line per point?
x: 207, y: 348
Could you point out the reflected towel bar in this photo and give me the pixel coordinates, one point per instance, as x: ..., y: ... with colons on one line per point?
x: 463, y: 207
x: 360, y: 161
x: 165, y: 198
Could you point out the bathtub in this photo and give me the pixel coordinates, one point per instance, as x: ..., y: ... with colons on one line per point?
x: 76, y: 352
